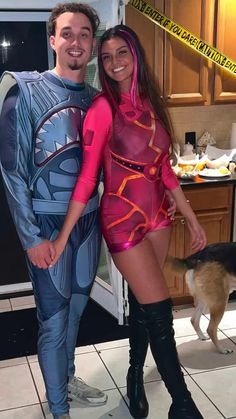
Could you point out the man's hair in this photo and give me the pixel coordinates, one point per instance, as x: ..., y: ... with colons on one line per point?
x: 73, y: 7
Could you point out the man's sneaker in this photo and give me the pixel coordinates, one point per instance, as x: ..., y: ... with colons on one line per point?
x: 79, y: 391
x: 65, y: 416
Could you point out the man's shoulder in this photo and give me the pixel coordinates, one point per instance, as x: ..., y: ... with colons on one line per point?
x: 22, y: 75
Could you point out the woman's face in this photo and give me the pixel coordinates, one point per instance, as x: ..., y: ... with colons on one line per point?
x: 118, y: 62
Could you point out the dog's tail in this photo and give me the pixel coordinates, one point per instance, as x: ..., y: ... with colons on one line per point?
x: 178, y: 265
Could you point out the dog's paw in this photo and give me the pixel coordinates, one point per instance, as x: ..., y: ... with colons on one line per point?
x: 203, y: 336
x: 225, y: 351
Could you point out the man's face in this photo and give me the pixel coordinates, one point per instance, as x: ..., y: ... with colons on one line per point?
x: 73, y: 42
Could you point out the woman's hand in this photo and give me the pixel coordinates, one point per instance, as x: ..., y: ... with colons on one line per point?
x: 59, y: 246
x: 197, y: 233
x: 172, y: 208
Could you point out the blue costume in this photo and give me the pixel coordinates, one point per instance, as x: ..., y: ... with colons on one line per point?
x: 40, y: 153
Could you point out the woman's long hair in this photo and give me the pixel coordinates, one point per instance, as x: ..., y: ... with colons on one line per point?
x: 142, y: 81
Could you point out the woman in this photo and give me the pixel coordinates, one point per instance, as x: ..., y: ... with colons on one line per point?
x: 127, y: 130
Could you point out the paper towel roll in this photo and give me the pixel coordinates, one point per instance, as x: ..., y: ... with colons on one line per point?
x: 233, y: 136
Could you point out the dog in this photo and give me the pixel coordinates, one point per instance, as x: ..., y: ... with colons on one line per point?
x: 211, y: 277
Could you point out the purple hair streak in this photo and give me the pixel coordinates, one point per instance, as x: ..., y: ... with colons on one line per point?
x: 108, y: 85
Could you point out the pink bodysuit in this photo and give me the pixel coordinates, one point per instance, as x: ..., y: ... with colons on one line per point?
x: 133, y: 149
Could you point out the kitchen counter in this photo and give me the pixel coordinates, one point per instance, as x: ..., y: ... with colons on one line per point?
x: 199, y: 181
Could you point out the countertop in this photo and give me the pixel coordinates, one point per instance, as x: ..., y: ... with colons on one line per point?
x: 199, y: 181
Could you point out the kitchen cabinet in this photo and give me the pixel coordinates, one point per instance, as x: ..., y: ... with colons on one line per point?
x: 181, y: 72
x: 186, y: 77
x: 225, y: 82
x: 186, y: 72
x: 213, y: 206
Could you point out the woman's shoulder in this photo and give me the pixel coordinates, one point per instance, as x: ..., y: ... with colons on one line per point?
x: 100, y: 100
x: 100, y: 109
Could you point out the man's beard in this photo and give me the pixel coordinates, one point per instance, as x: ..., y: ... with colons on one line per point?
x: 75, y: 66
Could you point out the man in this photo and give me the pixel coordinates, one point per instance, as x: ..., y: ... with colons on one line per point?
x: 40, y: 153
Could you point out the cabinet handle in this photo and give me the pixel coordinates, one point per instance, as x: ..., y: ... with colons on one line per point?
x: 182, y: 221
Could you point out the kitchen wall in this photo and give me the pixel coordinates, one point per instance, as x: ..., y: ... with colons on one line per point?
x: 216, y: 119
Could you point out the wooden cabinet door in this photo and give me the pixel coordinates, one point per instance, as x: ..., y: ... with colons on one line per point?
x: 225, y: 82
x: 186, y: 72
x: 151, y: 37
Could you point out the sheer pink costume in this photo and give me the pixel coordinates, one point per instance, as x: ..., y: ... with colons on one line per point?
x: 133, y: 149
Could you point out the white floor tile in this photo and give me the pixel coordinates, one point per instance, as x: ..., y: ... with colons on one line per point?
x: 22, y: 301
x: 115, y: 408
x: 18, y: 379
x: 23, y: 307
x: 183, y: 326
x: 113, y: 344
x: 3, y: 310
x: 84, y: 349
x: 5, y: 304
x: 219, y: 385
x: 13, y: 361
x: 117, y: 362
x: 160, y: 401
x: 197, y: 355
x: 38, y: 378
x: 231, y: 333
x: 88, y: 366
x: 91, y: 369
x: 32, y: 358
x: 28, y: 412
x: 210, y: 370
x: 229, y: 319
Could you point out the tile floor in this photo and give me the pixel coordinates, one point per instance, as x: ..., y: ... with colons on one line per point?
x: 209, y: 375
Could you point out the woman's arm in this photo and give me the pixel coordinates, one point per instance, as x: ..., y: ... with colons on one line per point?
x: 74, y: 211
x: 198, y: 235
x: 96, y: 132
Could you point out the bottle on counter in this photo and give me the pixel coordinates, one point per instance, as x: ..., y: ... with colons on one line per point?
x: 232, y: 167
x: 188, y: 149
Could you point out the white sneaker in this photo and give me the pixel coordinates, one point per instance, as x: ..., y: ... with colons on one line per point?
x: 79, y: 391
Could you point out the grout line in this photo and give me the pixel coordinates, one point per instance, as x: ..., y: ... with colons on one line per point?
x: 36, y: 389
x: 21, y: 407
x: 208, y: 397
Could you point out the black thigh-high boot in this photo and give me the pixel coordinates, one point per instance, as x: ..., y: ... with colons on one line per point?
x: 138, y: 340
x: 159, y: 321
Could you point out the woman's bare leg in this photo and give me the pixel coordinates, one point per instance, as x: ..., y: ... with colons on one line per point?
x: 160, y: 240
x: 141, y: 269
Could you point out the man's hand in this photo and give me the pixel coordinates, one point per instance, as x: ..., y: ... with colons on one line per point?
x: 42, y: 255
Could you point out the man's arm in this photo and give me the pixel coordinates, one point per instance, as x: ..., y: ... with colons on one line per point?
x: 15, y: 155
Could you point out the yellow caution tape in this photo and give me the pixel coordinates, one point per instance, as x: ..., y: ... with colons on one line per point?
x: 184, y: 35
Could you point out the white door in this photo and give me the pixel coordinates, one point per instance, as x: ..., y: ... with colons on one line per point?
x: 109, y: 289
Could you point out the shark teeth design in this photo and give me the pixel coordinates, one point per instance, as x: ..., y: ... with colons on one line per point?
x: 48, y: 153
x: 57, y: 145
x: 57, y: 132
